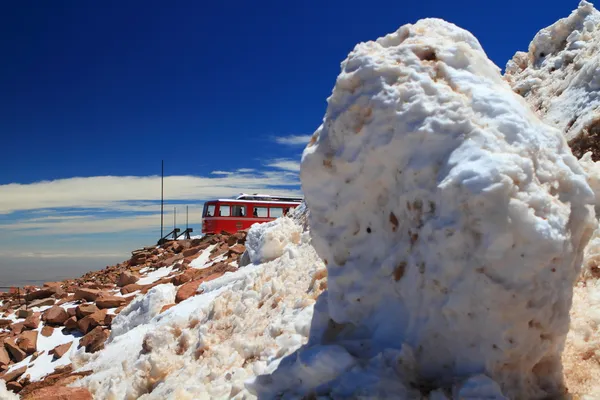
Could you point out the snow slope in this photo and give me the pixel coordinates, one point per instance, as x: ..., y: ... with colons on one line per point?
x: 559, y: 77
x: 452, y: 222
x: 207, y: 346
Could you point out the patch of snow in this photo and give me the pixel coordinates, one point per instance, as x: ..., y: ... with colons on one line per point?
x: 6, y: 394
x: 155, y: 275
x: 202, y: 261
x: 266, y: 242
x: 438, y: 201
x: 143, y: 308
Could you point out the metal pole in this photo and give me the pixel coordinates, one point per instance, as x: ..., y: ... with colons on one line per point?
x: 162, y: 175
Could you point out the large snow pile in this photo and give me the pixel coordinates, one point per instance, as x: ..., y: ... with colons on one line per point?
x: 560, y: 78
x: 208, y: 345
x: 452, y: 222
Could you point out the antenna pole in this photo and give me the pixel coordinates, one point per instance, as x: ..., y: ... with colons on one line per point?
x: 162, y: 176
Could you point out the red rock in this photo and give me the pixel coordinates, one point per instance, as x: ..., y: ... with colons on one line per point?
x: 109, y: 319
x: 14, y: 350
x: 127, y: 278
x: 60, y: 393
x: 47, y: 331
x: 171, y: 260
x: 84, y: 310
x: 194, y: 250
x: 131, y: 288
x: 24, y: 313
x: 86, y: 324
x: 187, y: 290
x: 52, y: 284
x: 87, y: 294
x: 55, y: 315
x: 42, y: 302
x: 13, y: 375
x: 14, y: 386
x: 72, y: 311
x: 5, y: 322
x: 94, y: 340
x: 71, y: 323
x: 17, y: 328
x: 166, y: 307
x: 237, y: 249
x: 40, y: 294
x: 4, y: 357
x: 27, y: 341
x: 33, y: 321
x: 108, y: 301
x: 60, y: 351
x: 183, y: 278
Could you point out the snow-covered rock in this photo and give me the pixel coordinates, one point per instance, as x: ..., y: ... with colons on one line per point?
x: 452, y: 222
x: 560, y: 76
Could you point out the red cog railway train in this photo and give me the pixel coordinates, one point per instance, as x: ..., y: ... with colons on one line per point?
x: 232, y: 215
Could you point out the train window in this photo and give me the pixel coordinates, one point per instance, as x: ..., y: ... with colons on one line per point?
x: 276, y: 212
x: 261, y: 212
x: 210, y: 211
x: 224, y: 210
x: 238, y: 211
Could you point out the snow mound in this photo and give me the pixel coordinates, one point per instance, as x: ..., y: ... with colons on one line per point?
x: 266, y: 242
x: 208, y: 345
x: 452, y: 222
x: 6, y: 394
x: 143, y: 308
x: 559, y: 77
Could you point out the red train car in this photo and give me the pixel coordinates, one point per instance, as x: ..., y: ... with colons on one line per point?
x: 232, y: 215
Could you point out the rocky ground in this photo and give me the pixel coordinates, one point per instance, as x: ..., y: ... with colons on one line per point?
x: 41, y: 326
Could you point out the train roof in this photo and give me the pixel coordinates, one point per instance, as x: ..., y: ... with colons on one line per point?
x: 264, y: 198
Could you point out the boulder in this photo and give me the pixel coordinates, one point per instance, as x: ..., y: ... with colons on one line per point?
x: 72, y: 311
x: 127, y: 278
x: 13, y: 349
x: 84, y: 310
x: 27, y: 341
x: 131, y: 288
x: 187, y: 290
x: 47, y: 331
x: 195, y: 250
x: 60, y: 393
x: 4, y: 357
x: 86, y: 324
x: 109, y: 301
x: 60, y: 350
x: 94, y: 340
x: 24, y: 313
x: 87, y: 294
x: 5, y: 322
x: 237, y: 249
x: 40, y: 294
x: 14, y: 374
x: 42, y: 302
x: 33, y: 321
x: 109, y: 319
x: 14, y: 386
x: 55, y: 315
x: 17, y: 328
x: 171, y: 260
x: 183, y: 278
x: 71, y: 323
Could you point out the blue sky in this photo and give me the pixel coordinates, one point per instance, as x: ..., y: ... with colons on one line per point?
x: 94, y: 94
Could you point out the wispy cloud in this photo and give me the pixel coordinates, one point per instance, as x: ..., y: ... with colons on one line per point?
x: 293, y: 140
x: 285, y: 164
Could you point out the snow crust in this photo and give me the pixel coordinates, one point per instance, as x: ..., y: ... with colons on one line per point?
x: 266, y: 242
x: 6, y: 394
x: 452, y: 222
x: 559, y: 75
x: 155, y: 275
x: 143, y: 308
x: 208, y: 345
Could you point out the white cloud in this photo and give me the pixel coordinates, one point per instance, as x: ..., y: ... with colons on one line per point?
x: 110, y: 192
x: 293, y: 140
x: 285, y: 164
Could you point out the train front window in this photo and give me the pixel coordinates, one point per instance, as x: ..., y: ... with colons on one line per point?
x: 238, y: 211
x: 224, y: 210
x: 209, y: 211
